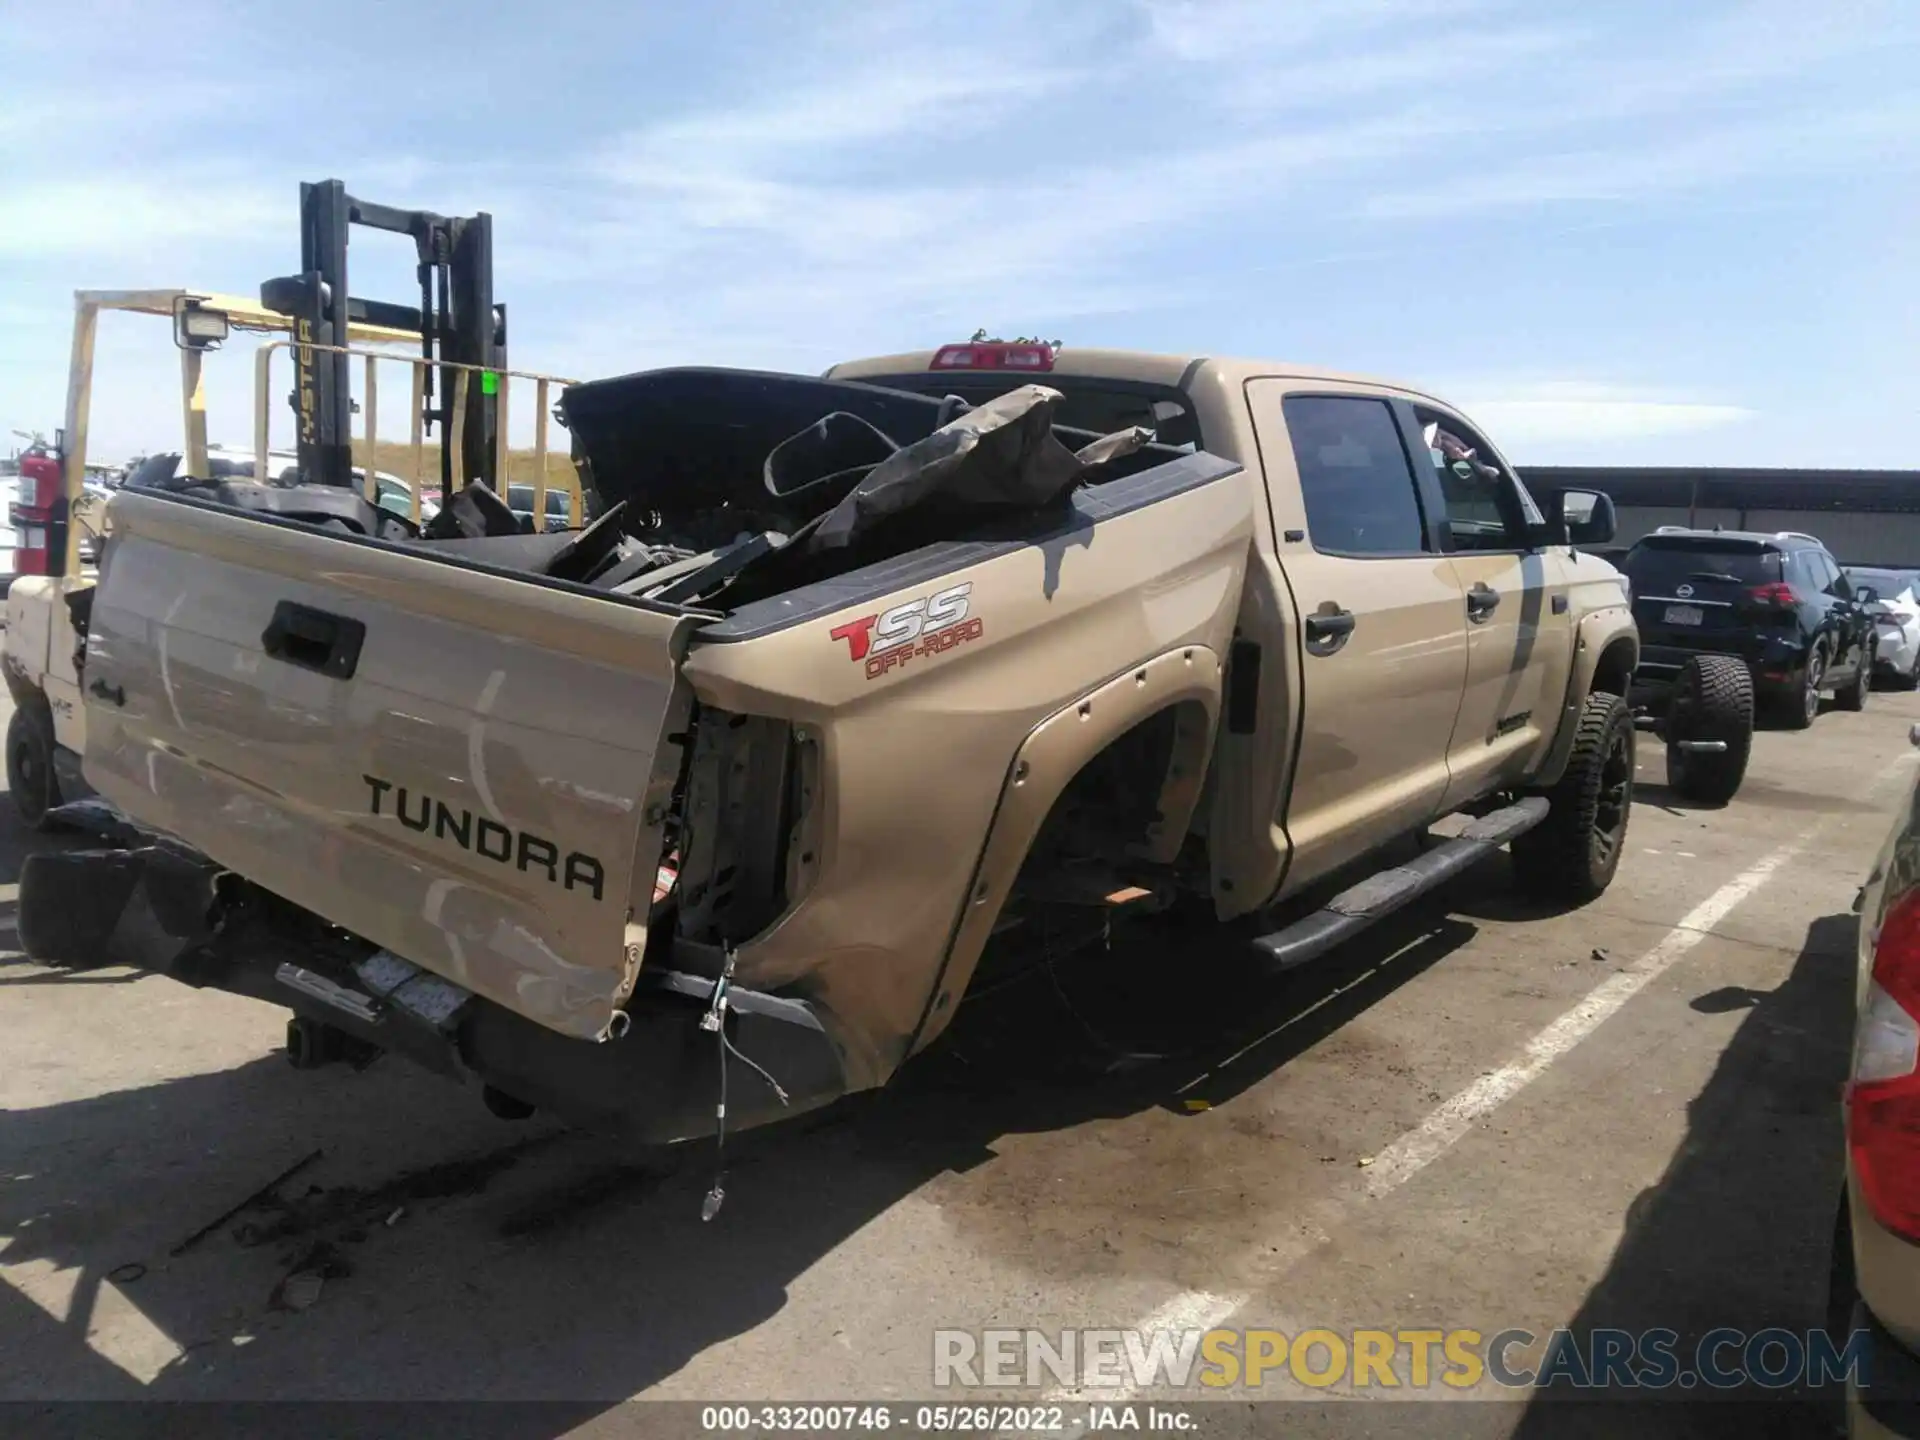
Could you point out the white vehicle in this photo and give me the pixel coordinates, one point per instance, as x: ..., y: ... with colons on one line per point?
x: 1896, y: 622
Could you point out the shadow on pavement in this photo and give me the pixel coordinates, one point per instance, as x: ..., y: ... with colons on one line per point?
x: 521, y: 1262
x: 1737, y: 1232
x: 1664, y: 797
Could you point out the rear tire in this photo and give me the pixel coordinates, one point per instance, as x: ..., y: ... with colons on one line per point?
x: 1853, y: 695
x: 30, y: 775
x: 1800, y: 709
x: 1571, y: 856
x: 1712, y: 700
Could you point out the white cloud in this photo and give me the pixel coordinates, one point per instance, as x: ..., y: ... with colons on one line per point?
x: 901, y: 96
x: 1574, y: 412
x: 1454, y: 60
x: 130, y: 216
x: 1767, y: 150
x: 1763, y: 46
x: 1236, y: 31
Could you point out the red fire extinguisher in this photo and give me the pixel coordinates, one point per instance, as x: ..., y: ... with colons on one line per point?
x: 39, y: 515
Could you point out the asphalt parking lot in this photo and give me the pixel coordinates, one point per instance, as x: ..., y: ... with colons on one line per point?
x: 1476, y: 1117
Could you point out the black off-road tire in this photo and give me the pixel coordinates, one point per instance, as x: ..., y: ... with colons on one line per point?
x: 1853, y: 695
x: 30, y: 775
x: 1800, y: 707
x: 1571, y: 856
x: 1712, y: 700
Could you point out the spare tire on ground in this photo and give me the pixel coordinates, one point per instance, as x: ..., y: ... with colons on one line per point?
x: 1712, y: 705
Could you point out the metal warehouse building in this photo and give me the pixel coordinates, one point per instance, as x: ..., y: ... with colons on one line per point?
x: 1865, y: 517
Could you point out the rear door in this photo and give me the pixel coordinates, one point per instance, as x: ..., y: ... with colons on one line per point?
x: 1847, y: 620
x: 1384, y: 631
x: 464, y: 767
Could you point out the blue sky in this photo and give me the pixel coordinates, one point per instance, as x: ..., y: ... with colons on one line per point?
x: 1616, y: 232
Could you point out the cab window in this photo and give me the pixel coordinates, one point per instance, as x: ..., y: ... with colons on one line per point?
x: 1355, y: 476
x: 1487, y: 508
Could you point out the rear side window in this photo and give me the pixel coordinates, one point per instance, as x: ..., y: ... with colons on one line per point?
x: 1660, y: 569
x: 1355, y: 476
x: 1831, y: 580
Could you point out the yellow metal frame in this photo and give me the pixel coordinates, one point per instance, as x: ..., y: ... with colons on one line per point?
x: 241, y: 313
x: 462, y: 378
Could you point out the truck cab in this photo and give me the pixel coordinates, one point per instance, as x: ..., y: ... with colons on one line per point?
x: 1413, y: 634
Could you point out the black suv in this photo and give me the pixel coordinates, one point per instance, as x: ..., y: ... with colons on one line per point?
x: 1778, y: 601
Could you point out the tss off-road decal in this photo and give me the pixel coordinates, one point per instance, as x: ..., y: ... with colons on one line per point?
x: 930, y: 625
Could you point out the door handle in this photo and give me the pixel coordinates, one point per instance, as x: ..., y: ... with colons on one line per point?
x: 314, y: 639
x: 1328, y: 628
x: 1482, y: 600
x: 116, y: 693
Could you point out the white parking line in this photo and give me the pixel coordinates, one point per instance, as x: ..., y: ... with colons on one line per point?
x: 1426, y: 1142
x: 1435, y: 1135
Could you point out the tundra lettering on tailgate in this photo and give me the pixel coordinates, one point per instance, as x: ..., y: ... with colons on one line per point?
x: 481, y: 835
x: 887, y: 640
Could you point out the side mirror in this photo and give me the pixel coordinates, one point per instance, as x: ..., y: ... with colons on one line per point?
x: 196, y: 327
x: 1586, y: 517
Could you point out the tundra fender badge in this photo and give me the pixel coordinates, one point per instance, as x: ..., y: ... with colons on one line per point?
x: 930, y: 625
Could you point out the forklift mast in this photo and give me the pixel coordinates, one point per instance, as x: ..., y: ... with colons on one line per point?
x: 457, y: 322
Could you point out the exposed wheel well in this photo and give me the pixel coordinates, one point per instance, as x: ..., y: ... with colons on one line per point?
x: 1097, y: 840
x: 1615, y: 671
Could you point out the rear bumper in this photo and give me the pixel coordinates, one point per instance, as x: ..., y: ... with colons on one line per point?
x: 1886, y: 1400
x: 1774, y: 662
x: 1892, y: 655
x: 152, y: 906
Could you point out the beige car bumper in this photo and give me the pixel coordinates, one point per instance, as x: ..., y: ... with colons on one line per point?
x: 1885, y: 1403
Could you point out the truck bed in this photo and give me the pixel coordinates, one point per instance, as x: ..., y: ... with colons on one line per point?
x: 460, y: 757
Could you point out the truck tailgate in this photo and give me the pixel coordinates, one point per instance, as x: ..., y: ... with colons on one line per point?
x: 461, y: 766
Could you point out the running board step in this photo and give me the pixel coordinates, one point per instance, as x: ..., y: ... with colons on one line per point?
x: 1378, y: 896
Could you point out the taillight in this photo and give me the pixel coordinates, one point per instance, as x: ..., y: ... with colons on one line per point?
x: 994, y: 355
x: 1775, y: 593
x: 1883, y: 1096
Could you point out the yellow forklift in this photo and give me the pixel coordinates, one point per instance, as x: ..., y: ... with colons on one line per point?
x: 459, y: 386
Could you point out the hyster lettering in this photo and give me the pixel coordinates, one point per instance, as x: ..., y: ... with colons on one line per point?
x: 930, y: 625
x: 481, y: 835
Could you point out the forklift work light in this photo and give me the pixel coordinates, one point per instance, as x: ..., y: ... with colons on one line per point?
x: 197, y: 328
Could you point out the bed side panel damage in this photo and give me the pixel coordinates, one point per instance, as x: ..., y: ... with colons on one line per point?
x: 912, y: 757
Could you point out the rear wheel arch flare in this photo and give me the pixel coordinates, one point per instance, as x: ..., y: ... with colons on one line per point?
x: 1178, y: 690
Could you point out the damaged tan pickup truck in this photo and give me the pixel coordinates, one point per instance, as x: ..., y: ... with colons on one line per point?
x: 847, y: 678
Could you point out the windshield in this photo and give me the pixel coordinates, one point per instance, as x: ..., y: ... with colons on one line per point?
x: 1660, y: 567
